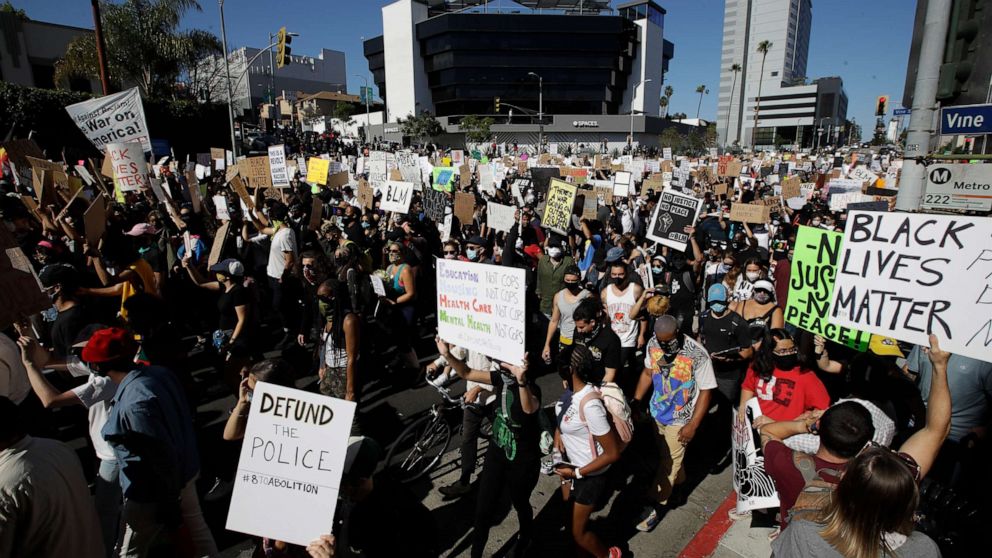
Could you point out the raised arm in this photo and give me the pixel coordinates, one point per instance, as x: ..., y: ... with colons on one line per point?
x: 925, y: 443
x: 459, y: 365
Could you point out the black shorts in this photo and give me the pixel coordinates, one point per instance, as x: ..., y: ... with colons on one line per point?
x: 588, y: 490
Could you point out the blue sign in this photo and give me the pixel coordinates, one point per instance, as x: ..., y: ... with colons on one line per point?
x: 966, y: 120
x: 902, y: 112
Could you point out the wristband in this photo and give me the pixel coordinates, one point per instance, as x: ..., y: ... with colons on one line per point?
x: 578, y: 473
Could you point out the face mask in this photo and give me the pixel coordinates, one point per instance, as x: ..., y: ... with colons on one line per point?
x: 554, y: 253
x: 471, y: 254
x: 220, y: 278
x: 815, y: 222
x: 619, y: 281
x: 762, y: 297
x: 718, y: 307
x: 573, y: 288
x: 366, y: 225
x: 671, y: 348
x: 519, y: 244
x: 723, y: 268
x: 657, y: 270
x: 753, y: 276
x: 786, y: 362
x: 324, y: 308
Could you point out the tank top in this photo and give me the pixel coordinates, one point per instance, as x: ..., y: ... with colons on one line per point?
x: 758, y: 326
x: 618, y: 308
x: 566, y: 324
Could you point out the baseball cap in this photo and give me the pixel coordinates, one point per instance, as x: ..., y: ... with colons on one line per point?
x: 109, y: 344
x: 230, y: 267
x: 717, y: 293
x: 614, y: 254
x: 142, y: 228
x: 885, y: 346
x: 478, y: 241
x: 764, y: 285
x: 58, y: 274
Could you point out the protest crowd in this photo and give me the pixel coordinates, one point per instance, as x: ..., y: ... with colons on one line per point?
x: 669, y: 304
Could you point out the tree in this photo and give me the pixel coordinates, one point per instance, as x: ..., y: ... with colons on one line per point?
x: 422, y: 127
x: 702, y: 91
x: 145, y: 47
x: 668, y: 98
x: 344, y: 111
x: 736, y: 68
x: 476, y: 128
x: 763, y: 48
x: 8, y: 8
x: 679, y: 116
x: 670, y: 137
x: 663, y: 102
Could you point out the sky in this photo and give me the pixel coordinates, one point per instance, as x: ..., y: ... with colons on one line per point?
x: 865, y: 42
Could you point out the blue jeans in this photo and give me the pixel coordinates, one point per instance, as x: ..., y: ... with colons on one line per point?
x: 108, y: 502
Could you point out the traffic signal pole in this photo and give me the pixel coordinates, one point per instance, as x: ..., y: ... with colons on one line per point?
x: 921, y: 121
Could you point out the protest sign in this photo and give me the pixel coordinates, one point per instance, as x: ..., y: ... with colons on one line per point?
x: 366, y: 197
x: 217, y: 248
x: 378, y: 170
x: 811, y: 283
x: 754, y: 486
x: 666, y: 153
x: 791, y: 187
x: 908, y: 275
x: 301, y: 166
x: 337, y: 180
x: 672, y: 215
x: 378, y: 287
x: 435, y: 203
x: 278, y: 171
x: 481, y: 307
x: 396, y: 196
x: 842, y: 186
x: 457, y: 157
x: 95, y: 221
x: 316, y: 213
x: 20, y: 291
x: 839, y: 202
x: 721, y: 166
x: 257, y: 171
x: 558, y: 211
x: 220, y: 207
x: 239, y: 188
x: 117, y: 118
x: 499, y: 217
x: 291, y: 460
x: 869, y: 206
x: 443, y: 179
x: 750, y: 213
x: 621, y: 183
x: 862, y: 174
x: 128, y: 166
x: 317, y: 170
x: 541, y: 177
x: 464, y: 207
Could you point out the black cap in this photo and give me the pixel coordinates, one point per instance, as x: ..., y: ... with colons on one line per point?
x: 478, y: 241
x: 58, y: 274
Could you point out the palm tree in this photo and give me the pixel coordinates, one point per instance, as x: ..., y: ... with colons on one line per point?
x: 763, y: 48
x: 663, y: 102
x: 736, y: 68
x: 702, y: 91
x: 668, y: 95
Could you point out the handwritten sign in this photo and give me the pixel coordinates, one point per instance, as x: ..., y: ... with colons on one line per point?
x: 621, y: 183
x: 317, y: 170
x: 128, y: 165
x: 908, y: 275
x: 481, y: 307
x: 558, y: 211
x: 435, y: 205
x: 292, y: 460
x: 811, y: 283
x: 278, y: 171
x: 443, y: 179
x: 396, y: 196
x: 750, y: 213
x: 257, y: 171
x: 672, y: 215
x: 499, y: 217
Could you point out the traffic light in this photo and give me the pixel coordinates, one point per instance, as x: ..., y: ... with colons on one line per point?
x: 881, y: 105
x: 961, y: 48
x: 496, y: 104
x: 283, y: 51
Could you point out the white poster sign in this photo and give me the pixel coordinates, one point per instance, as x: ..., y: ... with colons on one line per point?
x: 277, y: 166
x: 117, y: 118
x: 622, y: 183
x: 291, y: 463
x: 958, y: 186
x: 128, y: 163
x: 754, y: 487
x: 666, y: 152
x: 220, y: 206
x: 499, y: 217
x: 674, y: 212
x: 909, y: 275
x: 396, y: 196
x: 481, y: 307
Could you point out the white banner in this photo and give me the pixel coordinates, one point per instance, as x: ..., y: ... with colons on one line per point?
x: 128, y: 163
x: 117, y: 118
x: 481, y: 307
x: 277, y: 166
x: 622, y: 183
x: 908, y: 275
x: 499, y: 217
x: 291, y: 463
x: 396, y: 196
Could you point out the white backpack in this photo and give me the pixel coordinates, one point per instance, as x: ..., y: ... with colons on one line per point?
x: 617, y: 409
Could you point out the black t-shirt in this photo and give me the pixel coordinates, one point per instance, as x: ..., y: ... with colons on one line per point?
x: 516, y: 432
x: 66, y: 328
x: 604, y: 348
x: 721, y: 334
x: 226, y: 304
x: 682, y: 284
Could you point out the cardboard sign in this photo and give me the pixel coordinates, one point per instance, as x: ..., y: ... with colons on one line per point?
x: 558, y: 211
x: 622, y: 182
x: 116, y: 118
x: 239, y: 188
x: 464, y: 207
x: 443, y: 179
x: 750, y: 213
x: 499, y: 217
x: 292, y: 460
x: 791, y: 187
x: 396, y: 196
x: 316, y: 213
x: 720, y: 189
x: 672, y: 215
x: 908, y: 275
x: 317, y: 170
x: 95, y: 221
x: 257, y: 170
x: 128, y: 166
x: 464, y: 175
x: 435, y: 203
x: 366, y: 197
x: 217, y: 248
x: 20, y: 291
x: 278, y: 171
x: 814, y: 267
x: 19, y: 150
x: 481, y: 307
x: 337, y: 180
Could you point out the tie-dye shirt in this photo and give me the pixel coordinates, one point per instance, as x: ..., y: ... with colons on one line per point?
x: 677, y: 385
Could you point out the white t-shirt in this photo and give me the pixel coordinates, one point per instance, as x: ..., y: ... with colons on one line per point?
x: 575, y: 433
x: 14, y: 383
x: 96, y: 395
x: 283, y: 241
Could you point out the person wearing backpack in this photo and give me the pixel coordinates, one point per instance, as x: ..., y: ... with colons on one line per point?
x: 588, y: 443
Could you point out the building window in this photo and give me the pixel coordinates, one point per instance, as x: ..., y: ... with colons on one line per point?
x: 775, y: 73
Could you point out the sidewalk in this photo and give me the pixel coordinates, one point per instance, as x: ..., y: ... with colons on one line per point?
x: 722, y: 537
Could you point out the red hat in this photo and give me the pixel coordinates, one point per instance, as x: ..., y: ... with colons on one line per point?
x: 109, y: 344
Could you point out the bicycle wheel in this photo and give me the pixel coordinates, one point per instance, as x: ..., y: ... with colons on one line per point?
x: 427, y: 440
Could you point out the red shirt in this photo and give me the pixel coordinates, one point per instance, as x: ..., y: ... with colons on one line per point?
x: 788, y: 479
x: 788, y: 394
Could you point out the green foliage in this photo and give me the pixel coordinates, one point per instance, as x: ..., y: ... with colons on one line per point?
x: 422, y: 126
x: 8, y: 8
x: 476, y: 128
x: 344, y: 111
x: 145, y: 47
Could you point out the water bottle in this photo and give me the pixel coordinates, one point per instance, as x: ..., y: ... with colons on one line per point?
x: 218, y: 339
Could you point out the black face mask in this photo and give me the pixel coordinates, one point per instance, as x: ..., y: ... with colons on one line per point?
x: 620, y: 282
x: 573, y: 288
x: 671, y: 347
x: 786, y: 362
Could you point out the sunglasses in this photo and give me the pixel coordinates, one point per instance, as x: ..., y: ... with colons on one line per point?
x: 906, y: 459
x: 450, y: 252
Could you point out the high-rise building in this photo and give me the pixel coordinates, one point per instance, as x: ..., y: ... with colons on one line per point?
x: 789, y: 108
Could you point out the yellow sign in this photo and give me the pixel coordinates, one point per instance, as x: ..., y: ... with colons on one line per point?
x: 317, y: 170
x: 558, y: 212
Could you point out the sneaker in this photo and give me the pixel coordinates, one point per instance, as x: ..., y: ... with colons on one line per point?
x: 738, y: 516
x: 650, y: 520
x: 218, y: 490
x: 615, y: 552
x: 456, y: 489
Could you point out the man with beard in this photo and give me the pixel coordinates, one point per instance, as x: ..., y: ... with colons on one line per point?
x: 619, y: 298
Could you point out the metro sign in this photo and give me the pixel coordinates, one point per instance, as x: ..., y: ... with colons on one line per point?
x: 966, y: 120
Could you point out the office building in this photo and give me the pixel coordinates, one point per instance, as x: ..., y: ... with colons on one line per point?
x: 788, y: 106
x: 29, y: 50
x: 571, y: 60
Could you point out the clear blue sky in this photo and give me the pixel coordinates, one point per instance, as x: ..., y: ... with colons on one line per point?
x: 866, y: 42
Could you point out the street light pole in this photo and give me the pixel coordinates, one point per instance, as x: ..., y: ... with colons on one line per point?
x: 368, y: 123
x: 540, y: 111
x: 227, y: 69
x: 632, y: 95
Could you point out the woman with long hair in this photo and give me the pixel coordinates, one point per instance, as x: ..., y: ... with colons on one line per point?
x: 341, y: 342
x: 870, y: 515
x: 760, y: 311
x: 781, y: 380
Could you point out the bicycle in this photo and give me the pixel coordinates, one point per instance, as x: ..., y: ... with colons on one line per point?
x: 430, y: 436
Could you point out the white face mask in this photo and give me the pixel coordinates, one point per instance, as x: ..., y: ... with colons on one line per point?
x: 752, y: 276
x: 554, y: 253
